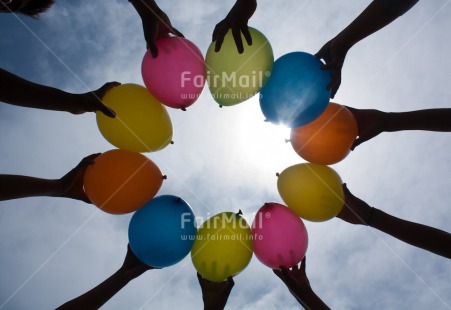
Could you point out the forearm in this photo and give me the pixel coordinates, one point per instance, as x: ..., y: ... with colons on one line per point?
x: 99, y: 295
x: 18, y: 91
x: 309, y: 300
x: 431, y: 119
x: 142, y: 6
x: 425, y: 237
x: 17, y: 186
x: 376, y: 16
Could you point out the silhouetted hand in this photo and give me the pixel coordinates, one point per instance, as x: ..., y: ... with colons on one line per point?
x: 92, y: 101
x: 355, y: 210
x: 132, y: 266
x: 370, y: 123
x: 295, y: 278
x: 156, y: 23
x: 236, y: 20
x: 72, y: 183
x: 215, y: 294
x: 334, y: 54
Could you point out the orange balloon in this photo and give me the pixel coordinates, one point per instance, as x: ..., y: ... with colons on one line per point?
x: 122, y: 181
x: 327, y: 139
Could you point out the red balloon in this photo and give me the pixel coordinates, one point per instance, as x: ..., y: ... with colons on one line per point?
x: 279, y: 236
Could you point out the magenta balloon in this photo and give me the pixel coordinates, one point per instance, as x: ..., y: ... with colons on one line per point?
x: 177, y: 75
x: 279, y: 236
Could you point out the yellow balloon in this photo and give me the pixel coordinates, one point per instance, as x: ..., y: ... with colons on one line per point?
x: 223, y: 247
x: 314, y: 192
x: 142, y: 123
x: 232, y: 77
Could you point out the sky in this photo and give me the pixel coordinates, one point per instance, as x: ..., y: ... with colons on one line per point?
x: 54, y: 249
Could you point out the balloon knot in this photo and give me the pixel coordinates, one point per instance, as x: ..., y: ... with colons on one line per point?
x: 172, y: 142
x: 266, y: 121
x: 183, y: 109
x: 239, y: 212
x: 287, y: 140
x: 277, y: 174
x: 165, y: 177
x: 179, y: 200
x: 220, y: 106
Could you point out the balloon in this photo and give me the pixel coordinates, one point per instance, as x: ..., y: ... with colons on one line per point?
x: 142, y: 124
x: 297, y: 92
x: 163, y: 231
x: 121, y: 181
x: 233, y: 77
x: 314, y: 192
x: 279, y: 235
x: 177, y: 75
x: 328, y: 139
x: 223, y: 247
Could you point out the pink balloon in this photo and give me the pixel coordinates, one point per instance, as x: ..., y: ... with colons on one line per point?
x: 279, y: 236
x: 177, y: 75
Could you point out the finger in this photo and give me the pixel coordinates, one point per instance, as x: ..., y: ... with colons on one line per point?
x: 238, y: 41
x: 219, y: 40
x: 90, y: 159
x: 152, y: 48
x: 330, y: 65
x: 334, y: 91
x: 214, y: 35
x: 176, y: 32
x: 201, y: 280
x: 107, y: 111
x: 303, y: 263
x: 247, y: 35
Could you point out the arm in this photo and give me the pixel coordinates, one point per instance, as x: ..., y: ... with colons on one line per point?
x: 373, y: 122
x: 356, y: 211
x: 215, y: 295
x: 377, y: 15
x: 156, y: 23
x: 69, y: 186
x: 95, y: 298
x: 236, y: 20
x: 18, y: 91
x: 299, y: 286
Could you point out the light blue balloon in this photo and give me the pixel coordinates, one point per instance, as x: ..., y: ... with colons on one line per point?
x: 296, y: 92
x: 162, y: 232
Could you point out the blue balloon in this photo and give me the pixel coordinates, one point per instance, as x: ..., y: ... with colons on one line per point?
x: 296, y: 92
x: 162, y: 232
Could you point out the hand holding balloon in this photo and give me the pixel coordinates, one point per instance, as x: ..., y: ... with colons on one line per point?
x: 355, y: 210
x: 370, y: 123
x: 334, y: 54
x: 236, y: 20
x: 156, y: 23
x: 215, y: 294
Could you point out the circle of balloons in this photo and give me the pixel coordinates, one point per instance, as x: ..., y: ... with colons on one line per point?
x: 314, y: 192
x: 177, y: 75
x: 232, y: 77
x: 279, y: 236
x: 296, y: 92
x: 328, y: 139
x: 121, y: 181
x: 223, y: 247
x: 163, y: 231
x: 142, y: 123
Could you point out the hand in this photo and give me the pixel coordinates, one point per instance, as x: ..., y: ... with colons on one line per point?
x: 236, y: 20
x: 92, y: 101
x: 132, y: 266
x: 295, y: 278
x: 156, y: 23
x: 72, y: 183
x: 355, y: 210
x: 215, y: 294
x: 334, y: 54
x: 370, y: 123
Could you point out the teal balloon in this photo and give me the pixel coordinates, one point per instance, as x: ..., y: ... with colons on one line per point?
x: 296, y: 92
x: 162, y: 232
